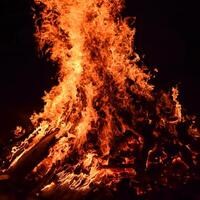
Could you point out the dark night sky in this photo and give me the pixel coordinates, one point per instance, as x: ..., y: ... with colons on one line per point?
x: 167, y: 33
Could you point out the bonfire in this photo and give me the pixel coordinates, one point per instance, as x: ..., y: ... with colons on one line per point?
x: 104, y: 127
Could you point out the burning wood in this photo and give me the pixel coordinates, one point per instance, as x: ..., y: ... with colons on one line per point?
x: 104, y: 122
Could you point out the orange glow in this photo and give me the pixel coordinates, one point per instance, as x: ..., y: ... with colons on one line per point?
x: 91, y: 122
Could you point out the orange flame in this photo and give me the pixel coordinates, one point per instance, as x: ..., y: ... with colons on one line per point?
x: 96, y: 102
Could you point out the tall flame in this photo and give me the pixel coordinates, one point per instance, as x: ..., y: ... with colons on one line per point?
x: 103, y: 111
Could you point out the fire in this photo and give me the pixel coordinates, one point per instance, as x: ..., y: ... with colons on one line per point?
x: 103, y: 121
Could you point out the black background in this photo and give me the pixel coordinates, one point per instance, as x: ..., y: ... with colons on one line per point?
x: 167, y: 34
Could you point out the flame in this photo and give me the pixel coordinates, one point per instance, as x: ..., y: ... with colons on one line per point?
x: 93, y: 122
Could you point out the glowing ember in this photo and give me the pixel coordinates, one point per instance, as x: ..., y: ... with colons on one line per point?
x: 103, y: 122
